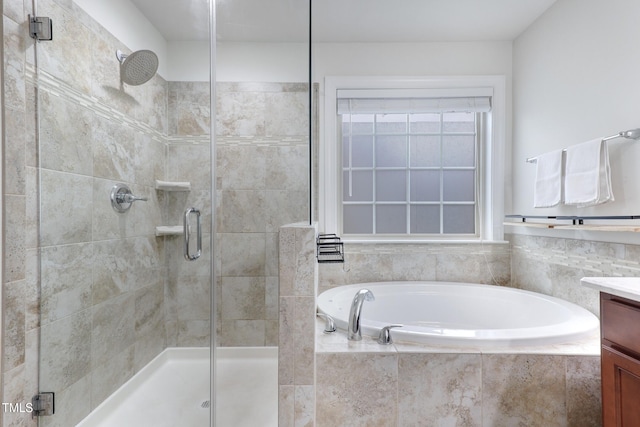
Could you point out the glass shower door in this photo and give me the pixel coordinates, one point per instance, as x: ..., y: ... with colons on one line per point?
x: 124, y: 153
x: 262, y: 147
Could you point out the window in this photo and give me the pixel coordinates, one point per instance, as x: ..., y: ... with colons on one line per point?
x: 411, y: 163
x: 408, y: 172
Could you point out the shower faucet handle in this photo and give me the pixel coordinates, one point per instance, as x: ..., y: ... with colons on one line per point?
x: 385, y: 334
x: 122, y: 198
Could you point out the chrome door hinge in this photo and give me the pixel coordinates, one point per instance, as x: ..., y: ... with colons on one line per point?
x: 43, y: 404
x: 40, y: 27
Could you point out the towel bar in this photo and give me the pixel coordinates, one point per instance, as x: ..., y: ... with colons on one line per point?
x: 629, y: 134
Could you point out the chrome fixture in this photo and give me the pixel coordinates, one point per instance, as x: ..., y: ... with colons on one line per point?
x: 354, y: 332
x: 122, y: 198
x: 41, y: 28
x: 329, y: 325
x: 138, y: 67
x: 385, y: 334
x: 629, y: 134
x: 187, y: 234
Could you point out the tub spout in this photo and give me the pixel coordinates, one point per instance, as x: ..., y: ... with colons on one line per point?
x: 354, y: 333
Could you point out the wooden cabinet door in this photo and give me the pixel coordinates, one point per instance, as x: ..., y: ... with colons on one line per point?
x: 620, y: 389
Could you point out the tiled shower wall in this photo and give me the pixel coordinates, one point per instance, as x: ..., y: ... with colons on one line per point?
x: 188, y: 290
x: 106, y: 304
x: 262, y: 183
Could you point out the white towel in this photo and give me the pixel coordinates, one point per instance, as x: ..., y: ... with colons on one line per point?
x: 587, y: 179
x: 548, y: 187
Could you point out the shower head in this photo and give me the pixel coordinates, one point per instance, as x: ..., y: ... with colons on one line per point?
x: 138, y: 67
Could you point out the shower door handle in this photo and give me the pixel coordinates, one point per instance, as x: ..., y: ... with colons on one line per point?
x: 187, y: 234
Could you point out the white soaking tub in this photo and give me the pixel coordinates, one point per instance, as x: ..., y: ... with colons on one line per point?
x: 452, y: 313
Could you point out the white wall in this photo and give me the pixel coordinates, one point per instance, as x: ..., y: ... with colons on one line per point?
x: 262, y: 62
x: 576, y: 76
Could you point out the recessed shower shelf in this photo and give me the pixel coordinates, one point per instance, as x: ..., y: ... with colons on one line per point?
x: 173, y: 185
x: 169, y: 230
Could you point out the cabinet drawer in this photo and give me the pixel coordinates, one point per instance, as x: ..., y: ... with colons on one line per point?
x: 619, y: 324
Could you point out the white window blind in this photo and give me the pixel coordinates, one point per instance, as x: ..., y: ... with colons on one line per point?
x: 480, y: 104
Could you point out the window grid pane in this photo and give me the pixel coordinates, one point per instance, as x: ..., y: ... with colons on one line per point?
x: 440, y: 148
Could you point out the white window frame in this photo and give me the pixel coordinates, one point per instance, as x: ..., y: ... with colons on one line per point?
x: 491, y: 157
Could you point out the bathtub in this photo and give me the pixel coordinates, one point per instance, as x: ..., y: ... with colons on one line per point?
x: 452, y: 313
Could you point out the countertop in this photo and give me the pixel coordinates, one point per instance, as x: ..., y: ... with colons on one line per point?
x: 625, y: 287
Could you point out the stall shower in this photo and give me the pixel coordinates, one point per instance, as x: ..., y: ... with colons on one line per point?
x: 113, y: 172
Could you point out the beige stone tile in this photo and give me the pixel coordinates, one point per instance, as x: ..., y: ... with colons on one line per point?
x: 72, y: 404
x: 304, y: 340
x: 109, y: 375
x: 287, y: 168
x: 512, y: 390
x: 272, y: 296
x: 243, y: 298
x: 584, y: 402
x: 356, y: 390
x: 235, y: 333
x: 285, y: 207
x: 243, y: 254
x: 113, y: 327
x: 304, y: 405
x: 272, y: 255
x: 306, y: 264
x: 286, y: 113
x: 66, y: 280
x: 286, y: 341
x: 66, y: 351
x: 240, y: 113
x: 287, y: 260
x: 286, y: 406
x: 14, y: 237
x: 233, y: 172
x: 15, y: 152
x: 243, y: 211
x: 440, y: 389
x: 66, y: 136
x: 64, y: 223
x: 196, y: 158
x: 13, y: 311
x: 196, y: 333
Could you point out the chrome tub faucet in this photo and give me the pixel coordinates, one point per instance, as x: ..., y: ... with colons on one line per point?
x: 354, y: 332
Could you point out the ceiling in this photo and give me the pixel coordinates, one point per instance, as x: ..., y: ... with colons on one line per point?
x: 346, y: 20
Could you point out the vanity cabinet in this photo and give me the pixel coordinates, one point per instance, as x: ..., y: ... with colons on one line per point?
x: 620, y: 323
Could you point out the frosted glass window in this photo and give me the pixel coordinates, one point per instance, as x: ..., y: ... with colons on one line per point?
x: 361, y: 183
x: 391, y: 186
x: 424, y: 123
x: 360, y: 124
x: 425, y: 219
x: 424, y: 150
x: 425, y: 186
x: 391, y: 219
x: 357, y: 149
x: 358, y: 219
x: 458, y: 150
x: 391, y: 123
x: 409, y: 173
x: 391, y: 151
x: 458, y: 186
x: 459, y: 219
x: 458, y: 122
